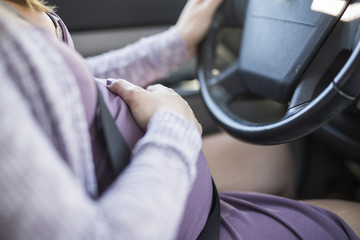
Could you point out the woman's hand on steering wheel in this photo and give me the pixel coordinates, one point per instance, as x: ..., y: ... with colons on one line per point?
x: 195, y: 21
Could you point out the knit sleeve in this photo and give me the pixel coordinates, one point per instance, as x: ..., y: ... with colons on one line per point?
x: 143, y: 62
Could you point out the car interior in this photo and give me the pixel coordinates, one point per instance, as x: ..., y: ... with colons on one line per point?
x: 268, y: 73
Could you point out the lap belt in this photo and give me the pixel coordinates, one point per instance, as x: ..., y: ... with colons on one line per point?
x: 119, y: 154
x: 211, y: 230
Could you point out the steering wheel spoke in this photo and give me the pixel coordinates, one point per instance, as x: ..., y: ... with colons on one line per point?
x: 229, y: 80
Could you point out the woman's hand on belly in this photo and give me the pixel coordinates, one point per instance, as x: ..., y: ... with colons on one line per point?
x: 144, y: 103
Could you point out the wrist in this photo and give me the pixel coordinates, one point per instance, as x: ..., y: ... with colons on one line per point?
x: 185, y: 36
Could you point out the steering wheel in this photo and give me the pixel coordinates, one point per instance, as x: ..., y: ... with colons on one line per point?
x: 301, y: 53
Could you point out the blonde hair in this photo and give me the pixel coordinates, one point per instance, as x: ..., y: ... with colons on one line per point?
x: 35, y: 5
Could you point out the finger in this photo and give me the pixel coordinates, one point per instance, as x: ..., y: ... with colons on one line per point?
x: 193, y: 2
x: 157, y: 87
x: 124, y: 89
x: 212, y: 5
x: 199, y: 127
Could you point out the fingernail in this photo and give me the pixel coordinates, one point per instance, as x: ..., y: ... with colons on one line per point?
x: 108, y: 82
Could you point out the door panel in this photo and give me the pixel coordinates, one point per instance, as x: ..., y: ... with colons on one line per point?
x: 90, y: 43
x: 80, y: 15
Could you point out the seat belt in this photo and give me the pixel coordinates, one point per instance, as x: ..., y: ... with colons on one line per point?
x: 119, y: 154
x: 211, y: 230
x: 118, y: 150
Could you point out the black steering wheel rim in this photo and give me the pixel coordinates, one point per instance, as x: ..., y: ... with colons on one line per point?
x: 299, y: 120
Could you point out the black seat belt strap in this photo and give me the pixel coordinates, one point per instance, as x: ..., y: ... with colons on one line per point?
x: 211, y: 230
x: 118, y: 150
